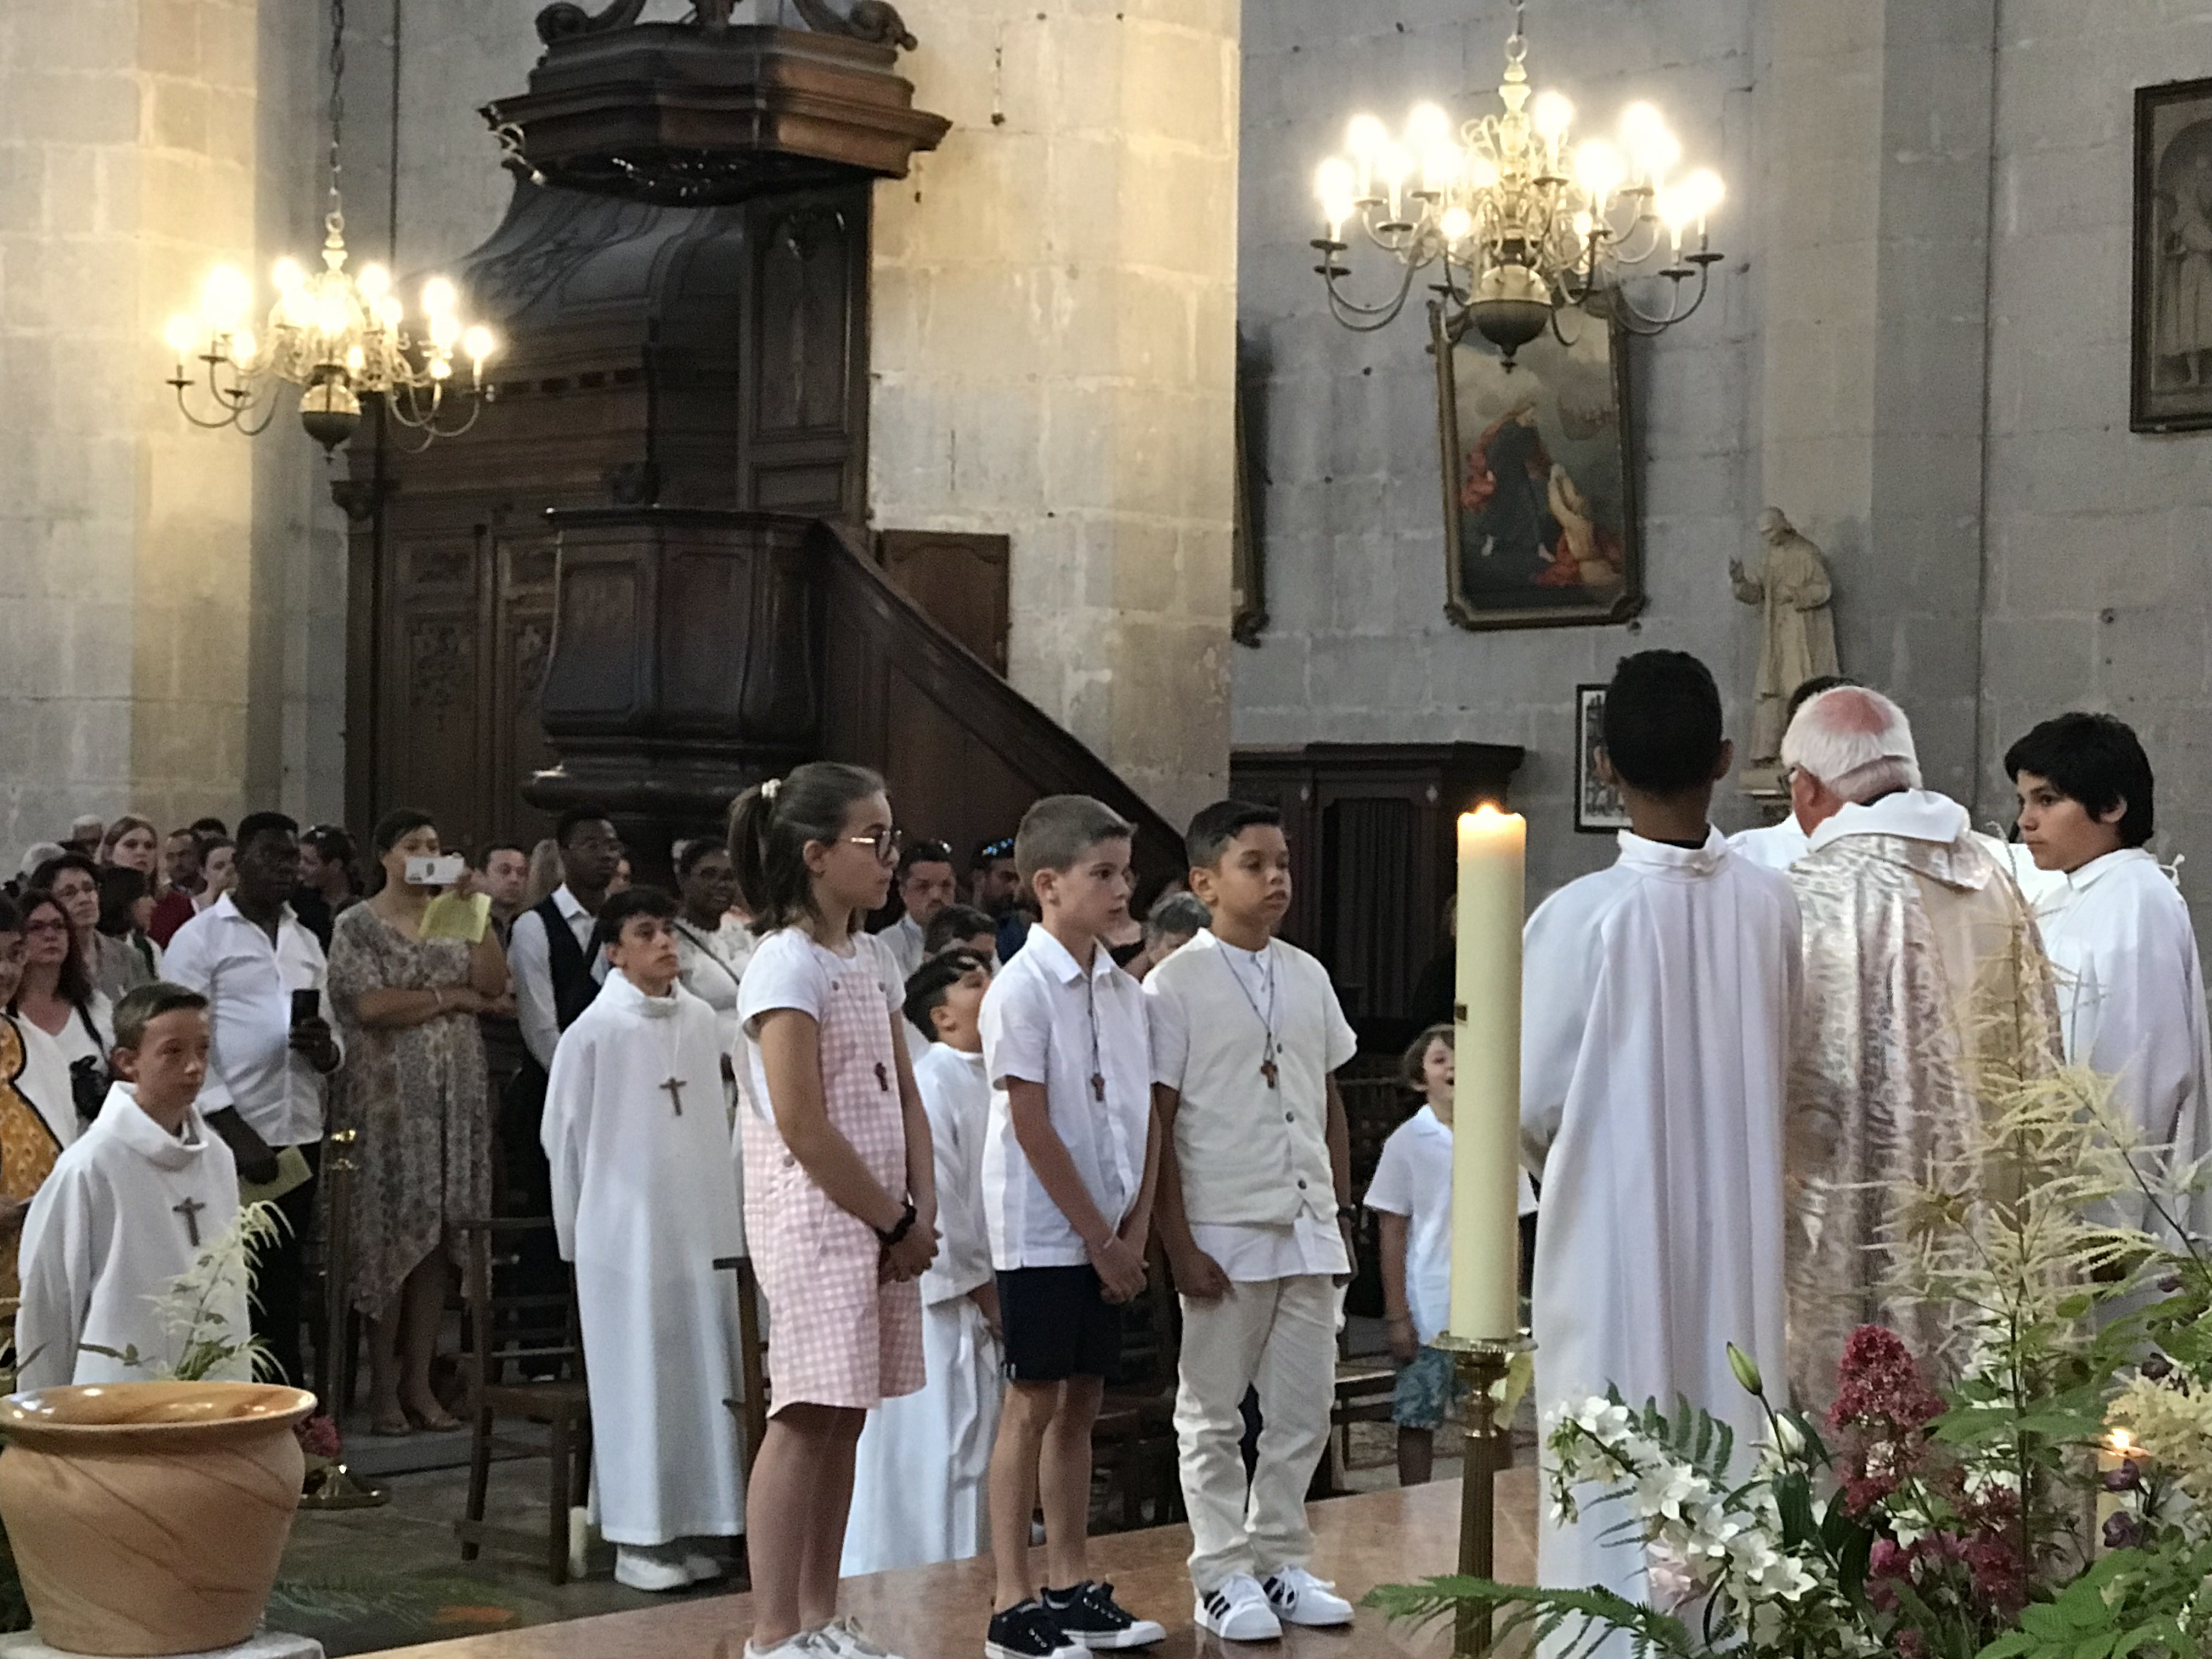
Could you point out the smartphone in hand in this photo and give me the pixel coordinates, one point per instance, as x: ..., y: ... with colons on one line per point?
x: 305, y: 1006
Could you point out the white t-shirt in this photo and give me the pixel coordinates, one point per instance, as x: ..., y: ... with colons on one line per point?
x: 1045, y: 1020
x: 1253, y: 1153
x: 791, y: 970
x: 1414, y: 1179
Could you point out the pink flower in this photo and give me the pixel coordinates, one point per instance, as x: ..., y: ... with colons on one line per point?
x: 318, y: 1437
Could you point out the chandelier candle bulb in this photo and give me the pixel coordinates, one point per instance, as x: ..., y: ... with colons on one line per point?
x: 1486, y: 1110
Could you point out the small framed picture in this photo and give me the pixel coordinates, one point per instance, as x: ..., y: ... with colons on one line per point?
x: 2170, y: 381
x: 1598, y: 807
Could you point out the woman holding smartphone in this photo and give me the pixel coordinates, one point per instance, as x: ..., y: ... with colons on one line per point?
x: 415, y: 1086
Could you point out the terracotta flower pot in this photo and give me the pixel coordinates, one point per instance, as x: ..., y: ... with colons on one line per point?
x: 148, y: 1517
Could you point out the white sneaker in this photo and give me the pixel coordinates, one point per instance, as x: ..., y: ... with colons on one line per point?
x: 1299, y: 1598
x: 649, y: 1570
x: 704, y: 1568
x: 1238, y: 1612
x: 800, y: 1644
x: 844, y: 1638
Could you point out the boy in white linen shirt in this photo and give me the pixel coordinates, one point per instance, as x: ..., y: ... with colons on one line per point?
x: 919, y: 1470
x: 1255, y: 1214
x: 1069, y: 1162
x: 130, y: 1207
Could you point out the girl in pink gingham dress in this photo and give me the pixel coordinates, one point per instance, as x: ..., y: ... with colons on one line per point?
x: 840, y: 1202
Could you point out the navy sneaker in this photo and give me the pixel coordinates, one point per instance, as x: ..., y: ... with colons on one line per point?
x: 1028, y: 1631
x: 1090, y: 1615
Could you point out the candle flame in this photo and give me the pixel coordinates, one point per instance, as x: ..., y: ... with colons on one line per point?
x: 2123, y: 1443
x: 1488, y: 815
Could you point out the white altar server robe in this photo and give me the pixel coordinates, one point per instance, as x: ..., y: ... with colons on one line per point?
x: 918, y: 1472
x: 2131, y: 1007
x: 645, y: 1201
x: 109, y: 1233
x: 1658, y: 1002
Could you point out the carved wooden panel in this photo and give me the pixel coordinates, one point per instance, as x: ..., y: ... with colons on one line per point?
x: 805, y: 293
x: 960, y: 580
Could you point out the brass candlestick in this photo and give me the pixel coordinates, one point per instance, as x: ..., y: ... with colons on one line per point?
x: 1483, y: 1362
x: 335, y: 1486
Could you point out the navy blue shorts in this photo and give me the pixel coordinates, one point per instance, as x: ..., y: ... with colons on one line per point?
x: 1057, y: 1325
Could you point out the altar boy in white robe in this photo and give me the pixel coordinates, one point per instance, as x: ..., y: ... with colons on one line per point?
x: 130, y: 1206
x: 1658, y: 997
x: 2130, y: 987
x: 644, y: 1202
x: 922, y: 1467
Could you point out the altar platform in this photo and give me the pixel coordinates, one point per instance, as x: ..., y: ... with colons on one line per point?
x: 939, y: 1612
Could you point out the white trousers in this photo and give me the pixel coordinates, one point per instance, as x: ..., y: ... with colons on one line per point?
x: 1278, y: 1335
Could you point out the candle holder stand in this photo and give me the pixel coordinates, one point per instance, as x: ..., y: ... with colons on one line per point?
x: 335, y: 1486
x: 1482, y: 1363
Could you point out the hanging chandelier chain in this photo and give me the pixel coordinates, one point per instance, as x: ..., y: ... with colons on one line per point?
x: 338, y: 95
x: 1516, y: 44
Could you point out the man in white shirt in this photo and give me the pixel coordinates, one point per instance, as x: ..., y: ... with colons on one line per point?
x: 557, y: 975
x: 926, y: 886
x: 1255, y: 1207
x: 2130, y: 987
x: 251, y: 958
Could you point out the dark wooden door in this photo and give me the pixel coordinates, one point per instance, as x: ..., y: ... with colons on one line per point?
x: 958, y: 579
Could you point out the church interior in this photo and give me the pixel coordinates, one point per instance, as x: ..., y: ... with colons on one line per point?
x: 1068, y: 397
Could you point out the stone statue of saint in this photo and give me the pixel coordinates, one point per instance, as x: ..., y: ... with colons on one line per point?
x: 1798, y: 639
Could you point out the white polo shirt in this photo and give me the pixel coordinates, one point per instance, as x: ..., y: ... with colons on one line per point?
x: 1045, y: 1020
x: 1414, y: 1179
x: 1252, y: 1153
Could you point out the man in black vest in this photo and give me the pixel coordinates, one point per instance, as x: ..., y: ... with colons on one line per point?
x: 556, y: 977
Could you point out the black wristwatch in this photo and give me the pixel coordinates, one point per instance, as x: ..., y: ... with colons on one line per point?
x: 892, y: 1237
x: 1347, y: 1212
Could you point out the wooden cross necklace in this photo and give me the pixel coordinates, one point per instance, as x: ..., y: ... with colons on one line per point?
x: 675, y: 1086
x: 189, y: 1209
x: 1098, y: 1069
x: 1268, y: 1069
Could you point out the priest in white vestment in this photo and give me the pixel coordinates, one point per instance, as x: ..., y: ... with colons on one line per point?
x: 1927, y: 999
x: 130, y: 1207
x: 918, y: 1471
x: 645, y: 1201
x: 1657, y: 1001
x: 2130, y: 985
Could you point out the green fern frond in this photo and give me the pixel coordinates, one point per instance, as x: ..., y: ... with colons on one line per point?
x: 1583, y: 1617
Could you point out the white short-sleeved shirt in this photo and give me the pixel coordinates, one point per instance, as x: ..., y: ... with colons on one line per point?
x: 1252, y: 1157
x: 1046, y: 1020
x: 1414, y: 1179
x: 791, y: 970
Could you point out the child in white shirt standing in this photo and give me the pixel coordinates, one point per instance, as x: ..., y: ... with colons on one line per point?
x: 919, y: 1471
x: 1254, y: 1184
x: 1410, y: 1196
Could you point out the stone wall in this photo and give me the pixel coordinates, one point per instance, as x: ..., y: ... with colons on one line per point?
x: 1350, y: 505
x: 1053, y: 354
x: 2100, y: 539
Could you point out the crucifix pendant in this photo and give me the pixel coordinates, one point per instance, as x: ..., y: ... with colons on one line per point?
x: 675, y: 1087
x: 1268, y: 1071
x: 189, y: 1209
x: 1098, y: 1087
x: 882, y: 1078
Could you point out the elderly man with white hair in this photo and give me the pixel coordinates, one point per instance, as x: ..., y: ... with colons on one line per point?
x: 1926, y: 992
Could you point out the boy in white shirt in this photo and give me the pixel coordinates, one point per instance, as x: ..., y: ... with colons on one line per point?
x: 920, y: 1467
x: 129, y: 1208
x: 1255, y: 1214
x: 1069, y: 1161
x: 1410, y: 1196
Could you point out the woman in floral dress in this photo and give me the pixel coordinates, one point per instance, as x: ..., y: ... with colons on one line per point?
x: 415, y: 1086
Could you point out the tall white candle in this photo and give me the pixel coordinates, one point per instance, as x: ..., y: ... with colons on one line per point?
x: 1487, y: 1098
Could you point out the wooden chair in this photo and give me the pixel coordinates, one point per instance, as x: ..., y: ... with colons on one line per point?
x: 750, y: 1411
x: 1134, y: 1441
x: 1364, y: 1390
x: 507, y: 1334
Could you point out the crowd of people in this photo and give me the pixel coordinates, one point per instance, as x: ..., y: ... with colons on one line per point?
x: 952, y: 1146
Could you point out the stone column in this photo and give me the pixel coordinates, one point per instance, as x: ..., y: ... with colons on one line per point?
x: 1054, y: 356
x: 1877, y: 128
x: 126, y: 167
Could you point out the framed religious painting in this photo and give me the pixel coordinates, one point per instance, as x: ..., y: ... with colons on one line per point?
x: 1599, y: 810
x: 1540, y: 521
x: 2170, y: 378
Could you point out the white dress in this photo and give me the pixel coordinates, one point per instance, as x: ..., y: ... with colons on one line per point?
x: 2131, y: 1006
x: 644, y: 1204
x: 128, y: 1208
x: 918, y: 1471
x: 1657, y: 1001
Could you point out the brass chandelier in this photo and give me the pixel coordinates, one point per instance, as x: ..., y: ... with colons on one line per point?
x: 338, y: 336
x: 1520, y: 223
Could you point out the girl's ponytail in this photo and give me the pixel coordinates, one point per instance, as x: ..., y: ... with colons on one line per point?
x: 770, y: 825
